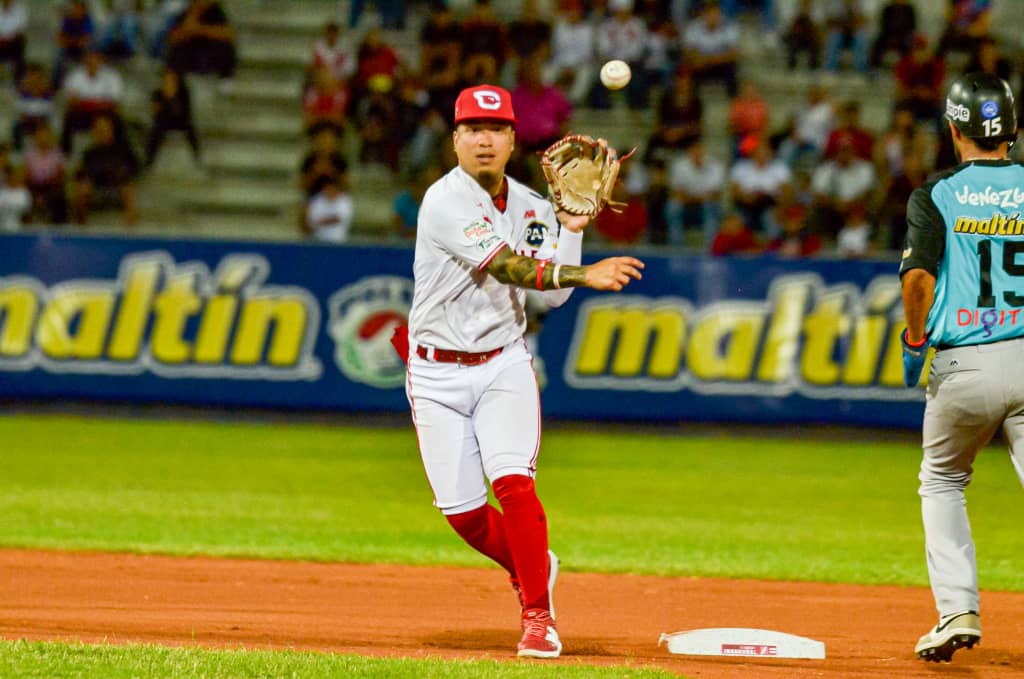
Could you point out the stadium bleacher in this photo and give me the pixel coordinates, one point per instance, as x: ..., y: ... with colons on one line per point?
x: 253, y: 131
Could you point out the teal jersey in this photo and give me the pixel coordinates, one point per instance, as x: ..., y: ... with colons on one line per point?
x: 966, y: 227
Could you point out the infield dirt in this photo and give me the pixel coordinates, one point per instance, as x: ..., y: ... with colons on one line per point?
x: 420, y: 612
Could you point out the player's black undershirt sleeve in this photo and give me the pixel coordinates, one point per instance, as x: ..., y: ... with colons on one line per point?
x: 926, y: 233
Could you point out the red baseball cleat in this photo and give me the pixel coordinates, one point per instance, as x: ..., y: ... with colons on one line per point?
x: 540, y: 638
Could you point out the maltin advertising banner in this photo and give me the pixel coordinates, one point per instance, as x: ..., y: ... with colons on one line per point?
x: 309, y: 326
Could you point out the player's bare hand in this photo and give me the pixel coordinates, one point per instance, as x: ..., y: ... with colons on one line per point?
x: 613, y: 273
x: 574, y: 223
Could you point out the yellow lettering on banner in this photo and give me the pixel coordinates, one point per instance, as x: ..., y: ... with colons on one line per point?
x: 172, y: 309
x: 289, y: 317
x: 822, y: 330
x: 783, y: 340
x: 92, y: 309
x: 862, y: 361
x: 130, y: 326
x: 739, y: 331
x: 215, y: 328
x: 634, y: 327
x: 892, y: 363
x: 18, y: 309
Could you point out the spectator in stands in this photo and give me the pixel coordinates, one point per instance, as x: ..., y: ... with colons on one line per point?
x: 988, y: 59
x: 664, y: 54
x: 757, y: 183
x: 804, y: 35
x: 849, y: 131
x: 171, y: 109
x: 895, y: 192
x: 392, y: 13
x: 331, y: 54
x: 735, y: 237
x: 440, y: 57
x: 679, y: 119
x: 323, y: 162
x: 748, y: 116
x: 15, y: 199
x: 406, y: 206
x: 377, y: 118
x: 325, y: 103
x: 769, y: 34
x: 13, y: 22
x: 329, y: 213
x: 656, y: 196
x: 796, y: 239
x: 710, y: 46
x: 484, y: 44
x: 624, y: 223
x: 573, y: 49
x: 967, y: 21
x: 74, y: 39
x: 203, y: 41
x: 695, y: 183
x: 810, y: 129
x: 35, y: 104
x: 413, y: 106
x: 622, y: 35
x: 119, y: 38
x: 45, y: 170
x: 162, y: 18
x: 542, y: 111
x: 91, y: 90
x: 840, y: 186
x: 106, y: 176
x: 847, y: 30
x: 901, y: 139
x: 374, y: 57
x: 529, y: 36
x: 854, y: 238
x: 897, y: 25
x: 919, y: 78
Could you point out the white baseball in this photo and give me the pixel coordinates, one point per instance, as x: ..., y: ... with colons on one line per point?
x: 615, y: 74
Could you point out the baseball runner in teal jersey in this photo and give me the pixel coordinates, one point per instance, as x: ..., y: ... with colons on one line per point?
x: 963, y: 293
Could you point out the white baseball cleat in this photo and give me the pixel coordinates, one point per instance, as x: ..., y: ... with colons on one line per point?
x: 956, y: 631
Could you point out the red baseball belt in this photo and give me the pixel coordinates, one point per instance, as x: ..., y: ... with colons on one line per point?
x: 460, y: 357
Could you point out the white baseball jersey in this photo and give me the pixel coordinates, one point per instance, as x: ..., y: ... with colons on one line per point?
x: 457, y: 305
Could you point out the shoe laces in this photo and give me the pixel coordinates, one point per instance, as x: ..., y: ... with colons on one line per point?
x: 536, y: 625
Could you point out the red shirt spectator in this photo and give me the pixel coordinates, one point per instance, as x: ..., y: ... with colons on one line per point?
x: 861, y: 141
x: 734, y: 237
x: 376, y: 57
x: 626, y: 226
x: 325, y: 103
x: 542, y: 110
x: 748, y: 113
x: 919, y: 77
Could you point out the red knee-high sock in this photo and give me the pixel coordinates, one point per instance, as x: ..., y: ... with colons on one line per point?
x: 484, y: 529
x: 527, y: 530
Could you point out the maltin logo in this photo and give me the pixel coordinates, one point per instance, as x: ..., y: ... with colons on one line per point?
x: 363, y: 317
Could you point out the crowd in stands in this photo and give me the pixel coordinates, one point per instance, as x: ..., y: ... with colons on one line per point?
x: 818, y: 181
x: 73, y: 150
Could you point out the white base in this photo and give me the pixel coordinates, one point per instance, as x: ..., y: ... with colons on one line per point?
x: 742, y: 642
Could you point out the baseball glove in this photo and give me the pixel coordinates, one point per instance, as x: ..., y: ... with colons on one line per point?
x: 581, y: 172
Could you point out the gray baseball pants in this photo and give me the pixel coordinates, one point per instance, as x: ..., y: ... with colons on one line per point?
x: 972, y: 391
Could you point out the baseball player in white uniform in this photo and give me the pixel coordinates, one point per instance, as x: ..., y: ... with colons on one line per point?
x: 483, y: 239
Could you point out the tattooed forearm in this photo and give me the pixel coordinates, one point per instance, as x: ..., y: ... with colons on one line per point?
x: 514, y: 269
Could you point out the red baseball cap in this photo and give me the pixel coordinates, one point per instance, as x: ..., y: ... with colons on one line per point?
x: 484, y: 102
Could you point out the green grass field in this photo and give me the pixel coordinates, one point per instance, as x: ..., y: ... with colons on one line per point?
x: 35, y: 659
x: 742, y: 506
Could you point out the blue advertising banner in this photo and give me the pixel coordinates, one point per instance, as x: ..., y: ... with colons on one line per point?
x: 308, y: 326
